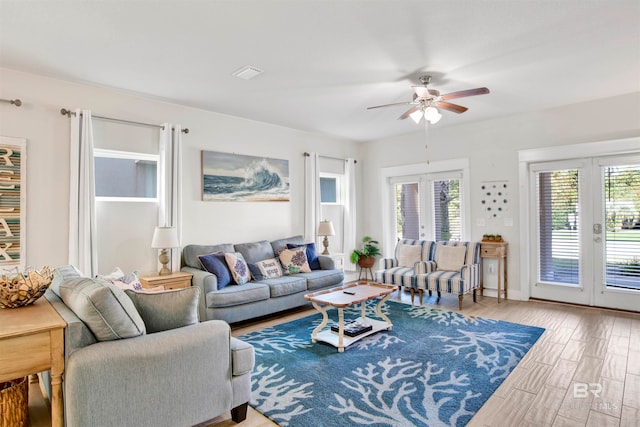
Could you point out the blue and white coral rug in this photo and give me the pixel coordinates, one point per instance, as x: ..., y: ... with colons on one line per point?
x: 435, y: 368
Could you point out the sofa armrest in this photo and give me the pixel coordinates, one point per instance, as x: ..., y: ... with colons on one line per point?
x: 326, y: 262
x: 423, y: 267
x: 134, y: 373
x: 386, y: 263
x: 207, y: 282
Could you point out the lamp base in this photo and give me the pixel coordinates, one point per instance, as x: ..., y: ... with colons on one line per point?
x: 325, y: 243
x: 164, y: 260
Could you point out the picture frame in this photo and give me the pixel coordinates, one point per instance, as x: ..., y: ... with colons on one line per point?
x: 231, y: 177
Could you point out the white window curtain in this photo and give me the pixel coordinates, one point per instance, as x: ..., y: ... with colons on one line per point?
x: 83, y: 246
x: 349, y: 237
x: 169, y: 185
x: 312, y: 197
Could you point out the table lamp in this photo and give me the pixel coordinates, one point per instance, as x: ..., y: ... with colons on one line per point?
x: 164, y: 238
x: 326, y: 229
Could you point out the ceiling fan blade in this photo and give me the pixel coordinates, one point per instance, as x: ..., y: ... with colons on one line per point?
x: 408, y: 112
x: 450, y: 107
x: 390, y: 105
x: 463, y: 93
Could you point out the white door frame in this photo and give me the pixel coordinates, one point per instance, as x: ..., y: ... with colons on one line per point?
x: 564, y: 152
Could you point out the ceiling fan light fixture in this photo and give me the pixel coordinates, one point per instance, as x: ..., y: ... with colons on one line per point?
x: 416, y: 116
x: 435, y: 119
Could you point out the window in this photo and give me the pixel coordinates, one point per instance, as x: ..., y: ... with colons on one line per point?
x: 558, y: 226
x: 330, y: 188
x: 621, y: 185
x: 407, y: 210
x: 126, y: 176
x: 446, y: 209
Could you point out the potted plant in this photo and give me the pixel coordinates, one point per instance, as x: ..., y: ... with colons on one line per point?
x: 366, y: 256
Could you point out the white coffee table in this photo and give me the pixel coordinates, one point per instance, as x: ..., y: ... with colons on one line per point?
x: 345, y: 296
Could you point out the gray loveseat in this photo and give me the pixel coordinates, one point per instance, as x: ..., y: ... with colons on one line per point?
x: 256, y: 298
x: 126, y: 366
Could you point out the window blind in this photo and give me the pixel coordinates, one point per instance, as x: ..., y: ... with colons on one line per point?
x: 558, y: 226
x: 622, y: 215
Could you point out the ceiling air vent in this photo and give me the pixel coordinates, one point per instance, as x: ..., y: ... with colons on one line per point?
x: 247, y: 72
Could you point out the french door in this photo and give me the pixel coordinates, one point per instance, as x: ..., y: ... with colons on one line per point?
x: 427, y: 206
x: 585, y: 231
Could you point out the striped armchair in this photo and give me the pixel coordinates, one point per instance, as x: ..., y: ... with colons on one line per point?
x: 452, y: 269
x: 401, y: 269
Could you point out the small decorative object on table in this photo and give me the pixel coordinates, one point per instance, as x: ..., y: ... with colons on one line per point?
x: 23, y: 288
x: 492, y: 238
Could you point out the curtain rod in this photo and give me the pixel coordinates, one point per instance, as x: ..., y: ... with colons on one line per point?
x: 328, y: 157
x: 15, y: 102
x: 66, y: 112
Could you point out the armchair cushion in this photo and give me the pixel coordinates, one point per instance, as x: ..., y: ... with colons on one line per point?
x: 172, y: 309
x: 450, y: 258
x: 408, y: 255
x: 104, y: 308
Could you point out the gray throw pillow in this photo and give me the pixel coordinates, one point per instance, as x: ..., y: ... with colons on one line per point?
x: 172, y: 309
x: 61, y: 274
x: 103, y: 307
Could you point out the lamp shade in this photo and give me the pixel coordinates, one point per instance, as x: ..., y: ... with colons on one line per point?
x: 326, y: 229
x: 165, y: 237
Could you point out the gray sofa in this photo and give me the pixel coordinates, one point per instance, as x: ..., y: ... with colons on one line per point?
x: 144, y: 373
x: 256, y: 298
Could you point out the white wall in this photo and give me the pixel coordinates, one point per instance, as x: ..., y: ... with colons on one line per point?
x: 46, y: 131
x: 492, y: 149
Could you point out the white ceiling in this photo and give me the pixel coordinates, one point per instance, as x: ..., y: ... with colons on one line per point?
x: 325, y: 61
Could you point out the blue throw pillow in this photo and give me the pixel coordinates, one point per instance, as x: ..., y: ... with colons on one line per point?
x: 216, y: 264
x: 310, y: 251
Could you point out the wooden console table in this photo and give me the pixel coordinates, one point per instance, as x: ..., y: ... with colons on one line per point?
x: 496, y: 250
x: 32, y: 341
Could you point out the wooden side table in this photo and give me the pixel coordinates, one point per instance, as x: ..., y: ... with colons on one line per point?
x: 32, y: 341
x: 496, y: 250
x: 177, y: 280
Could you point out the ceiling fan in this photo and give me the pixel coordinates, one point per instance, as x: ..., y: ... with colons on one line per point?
x: 425, y: 102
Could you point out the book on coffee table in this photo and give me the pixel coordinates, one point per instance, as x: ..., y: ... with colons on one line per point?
x: 353, y: 329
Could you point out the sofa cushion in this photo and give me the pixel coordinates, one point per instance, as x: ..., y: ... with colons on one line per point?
x: 172, y: 309
x: 408, y: 255
x: 255, y: 251
x: 215, y: 263
x: 238, y: 267
x: 190, y: 253
x: 104, y: 308
x: 285, y: 285
x: 237, y: 295
x: 266, y: 269
x: 62, y: 274
x: 450, y: 258
x: 318, y: 279
x: 281, y: 244
x: 294, y: 261
x: 310, y: 250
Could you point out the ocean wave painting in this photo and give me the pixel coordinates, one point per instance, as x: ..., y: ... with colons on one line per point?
x: 239, y: 178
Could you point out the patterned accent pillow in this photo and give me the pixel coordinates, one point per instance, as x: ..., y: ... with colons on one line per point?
x: 310, y: 250
x: 216, y: 263
x: 238, y: 267
x: 266, y: 269
x: 123, y: 281
x: 294, y: 261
